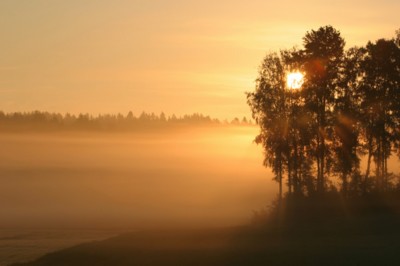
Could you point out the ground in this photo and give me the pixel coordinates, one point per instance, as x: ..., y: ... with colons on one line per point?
x: 245, y: 245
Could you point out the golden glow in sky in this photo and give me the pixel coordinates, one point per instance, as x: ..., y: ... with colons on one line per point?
x: 175, y: 56
x: 294, y: 80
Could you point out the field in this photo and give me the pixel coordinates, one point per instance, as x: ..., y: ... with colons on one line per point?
x: 26, y: 245
x: 57, y: 185
x: 232, y: 246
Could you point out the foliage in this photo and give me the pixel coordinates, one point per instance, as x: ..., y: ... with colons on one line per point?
x: 348, y: 107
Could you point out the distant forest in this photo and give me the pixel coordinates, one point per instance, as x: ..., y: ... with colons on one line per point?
x: 38, y: 121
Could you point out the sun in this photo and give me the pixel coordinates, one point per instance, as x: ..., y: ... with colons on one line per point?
x: 294, y: 80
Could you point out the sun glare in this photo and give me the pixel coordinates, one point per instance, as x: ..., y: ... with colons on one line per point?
x: 294, y: 80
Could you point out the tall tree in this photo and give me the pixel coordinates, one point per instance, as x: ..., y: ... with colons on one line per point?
x: 267, y: 104
x: 284, y: 122
x: 345, y: 144
x: 380, y: 89
x: 323, y: 53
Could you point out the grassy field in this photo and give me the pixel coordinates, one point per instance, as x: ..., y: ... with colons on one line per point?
x: 235, y: 246
x: 26, y: 244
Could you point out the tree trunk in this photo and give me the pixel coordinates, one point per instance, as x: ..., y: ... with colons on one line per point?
x: 368, y: 165
x: 322, y: 132
x: 295, y: 167
x: 322, y: 165
x: 280, y: 181
x: 344, y: 185
x: 289, y: 176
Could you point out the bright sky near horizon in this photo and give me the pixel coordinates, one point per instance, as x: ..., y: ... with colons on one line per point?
x: 103, y: 56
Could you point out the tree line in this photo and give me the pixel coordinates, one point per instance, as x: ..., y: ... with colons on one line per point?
x: 347, y: 109
x: 37, y: 120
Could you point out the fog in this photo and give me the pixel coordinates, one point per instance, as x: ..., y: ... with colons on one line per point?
x: 188, y: 177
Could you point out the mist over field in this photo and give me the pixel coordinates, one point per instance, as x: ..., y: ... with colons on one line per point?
x: 200, y: 176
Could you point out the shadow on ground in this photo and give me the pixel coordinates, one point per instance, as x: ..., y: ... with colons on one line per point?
x: 234, y: 246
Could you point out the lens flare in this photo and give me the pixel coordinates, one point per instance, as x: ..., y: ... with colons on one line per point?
x: 294, y: 80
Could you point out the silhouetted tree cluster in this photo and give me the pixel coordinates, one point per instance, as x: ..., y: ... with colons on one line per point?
x: 145, y: 121
x: 347, y: 108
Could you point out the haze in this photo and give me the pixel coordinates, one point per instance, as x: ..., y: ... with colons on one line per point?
x: 193, y: 177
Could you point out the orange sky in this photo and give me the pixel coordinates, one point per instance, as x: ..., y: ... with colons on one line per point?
x: 174, y: 56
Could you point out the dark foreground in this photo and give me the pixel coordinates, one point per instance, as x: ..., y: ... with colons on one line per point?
x: 237, y: 246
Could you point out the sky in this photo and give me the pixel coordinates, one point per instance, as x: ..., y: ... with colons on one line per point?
x: 179, y: 57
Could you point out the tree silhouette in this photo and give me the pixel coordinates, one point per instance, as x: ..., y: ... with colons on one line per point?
x: 268, y: 108
x: 380, y: 100
x: 145, y: 121
x: 323, y: 53
x: 348, y: 106
x: 346, y: 126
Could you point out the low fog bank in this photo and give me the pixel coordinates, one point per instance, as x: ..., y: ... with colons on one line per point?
x: 200, y: 177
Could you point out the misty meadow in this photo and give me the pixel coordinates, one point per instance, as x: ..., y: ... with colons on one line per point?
x: 103, y: 179
x: 199, y: 133
x: 67, y: 183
